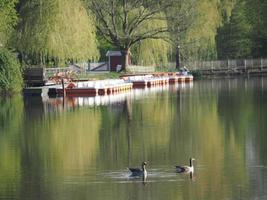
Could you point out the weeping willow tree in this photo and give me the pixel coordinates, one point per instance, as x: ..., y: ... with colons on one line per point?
x: 200, y: 38
x: 151, y: 52
x: 125, y: 23
x: 55, y: 30
x: 195, y: 25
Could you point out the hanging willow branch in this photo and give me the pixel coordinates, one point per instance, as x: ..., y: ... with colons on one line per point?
x: 56, y: 30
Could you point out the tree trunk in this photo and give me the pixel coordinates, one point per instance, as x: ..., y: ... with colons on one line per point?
x: 125, y: 59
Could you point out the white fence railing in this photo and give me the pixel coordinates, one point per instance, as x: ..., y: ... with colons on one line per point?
x: 53, y: 71
x: 140, y: 69
x: 226, y: 64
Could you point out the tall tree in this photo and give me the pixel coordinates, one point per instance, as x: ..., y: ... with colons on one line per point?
x: 233, y: 39
x: 245, y: 35
x: 181, y: 17
x: 125, y: 23
x: 257, y: 16
x: 56, y: 30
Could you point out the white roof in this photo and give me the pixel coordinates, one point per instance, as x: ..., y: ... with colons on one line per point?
x: 113, y: 53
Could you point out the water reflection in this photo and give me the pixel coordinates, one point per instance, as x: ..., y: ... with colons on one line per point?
x: 61, y: 103
x: 81, y: 150
x: 11, y: 117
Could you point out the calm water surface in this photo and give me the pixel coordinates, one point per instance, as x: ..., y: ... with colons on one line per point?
x: 80, y: 148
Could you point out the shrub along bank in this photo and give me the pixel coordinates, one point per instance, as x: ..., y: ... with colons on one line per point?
x: 10, y: 73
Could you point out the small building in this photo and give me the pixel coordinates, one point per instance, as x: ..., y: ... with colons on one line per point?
x: 115, y: 60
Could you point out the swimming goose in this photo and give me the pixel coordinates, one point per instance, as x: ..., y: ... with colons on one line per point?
x: 186, y: 169
x: 138, y: 171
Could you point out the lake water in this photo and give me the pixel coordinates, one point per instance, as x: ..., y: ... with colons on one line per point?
x: 80, y: 148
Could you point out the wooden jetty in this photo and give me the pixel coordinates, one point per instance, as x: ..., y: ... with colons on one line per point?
x: 180, y: 79
x: 141, y: 81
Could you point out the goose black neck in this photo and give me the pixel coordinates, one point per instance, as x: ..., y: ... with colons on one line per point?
x: 190, y: 162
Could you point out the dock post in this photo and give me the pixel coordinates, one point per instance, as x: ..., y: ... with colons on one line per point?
x: 245, y: 63
x: 63, y: 87
x: 64, y: 92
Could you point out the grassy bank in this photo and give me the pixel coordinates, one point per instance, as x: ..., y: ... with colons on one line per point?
x: 98, y: 76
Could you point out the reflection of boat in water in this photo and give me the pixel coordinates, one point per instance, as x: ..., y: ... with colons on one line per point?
x: 70, y: 101
x: 181, y: 86
x: 87, y: 101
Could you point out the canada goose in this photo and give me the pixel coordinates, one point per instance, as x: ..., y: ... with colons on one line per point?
x: 139, y: 171
x: 186, y: 169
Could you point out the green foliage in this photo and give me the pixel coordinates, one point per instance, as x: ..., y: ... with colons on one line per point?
x: 104, y: 46
x: 226, y: 8
x: 10, y: 73
x: 233, y: 40
x: 152, y: 51
x: 8, y: 19
x: 194, y: 27
x: 125, y: 24
x: 99, y: 76
x: 245, y: 35
x: 257, y: 16
x: 52, y: 32
x: 196, y: 74
x: 57, y: 30
x: 198, y: 41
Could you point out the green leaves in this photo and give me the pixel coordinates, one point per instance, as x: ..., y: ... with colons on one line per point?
x: 244, y: 35
x: 10, y: 73
x: 56, y: 29
x: 194, y: 26
x: 8, y: 19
